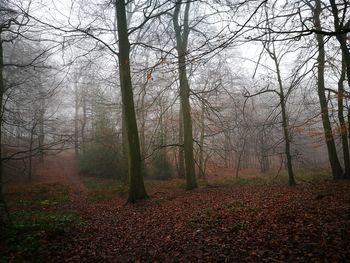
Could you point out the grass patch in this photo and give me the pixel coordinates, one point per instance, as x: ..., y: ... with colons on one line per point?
x: 28, y: 235
x: 154, y: 185
x: 301, y: 176
x: 40, y: 195
x: 313, y: 175
x: 100, y: 188
x: 241, y: 181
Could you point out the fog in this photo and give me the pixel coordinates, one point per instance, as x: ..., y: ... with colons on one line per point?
x: 220, y: 83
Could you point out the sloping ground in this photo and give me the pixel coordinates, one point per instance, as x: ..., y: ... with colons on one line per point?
x: 308, y: 223
x: 61, y: 168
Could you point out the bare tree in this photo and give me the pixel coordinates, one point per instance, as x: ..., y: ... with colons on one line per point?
x: 137, y: 189
x: 328, y: 133
x: 182, y: 32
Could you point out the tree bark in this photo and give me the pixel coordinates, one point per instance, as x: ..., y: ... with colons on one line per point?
x: 332, y: 151
x: 181, y: 47
x: 345, y: 70
x: 285, y: 121
x: 285, y: 124
x: 4, y: 215
x: 76, y: 121
x: 343, y: 126
x: 137, y: 189
x: 41, y: 132
x: 201, y: 162
x: 83, y: 124
x: 30, y: 168
x: 181, y: 166
x: 342, y: 37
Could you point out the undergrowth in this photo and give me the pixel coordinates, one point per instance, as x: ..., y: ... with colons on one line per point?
x: 30, y: 231
x: 38, y: 195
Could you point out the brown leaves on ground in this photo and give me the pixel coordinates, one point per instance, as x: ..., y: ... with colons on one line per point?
x: 307, y: 223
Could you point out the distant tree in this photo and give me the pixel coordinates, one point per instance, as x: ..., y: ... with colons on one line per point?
x: 182, y: 31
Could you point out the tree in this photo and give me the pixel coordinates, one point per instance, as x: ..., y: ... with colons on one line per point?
x: 137, y: 189
x: 8, y: 18
x: 3, y: 207
x: 332, y: 151
x: 181, y: 33
x: 339, y: 26
x: 284, y: 114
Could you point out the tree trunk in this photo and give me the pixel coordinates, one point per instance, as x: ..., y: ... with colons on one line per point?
x: 41, y: 133
x: 83, y: 124
x: 201, y: 144
x: 285, y: 122
x: 332, y: 151
x: 2, y: 91
x: 4, y: 215
x: 76, y: 121
x: 342, y: 37
x: 187, y: 125
x: 345, y: 70
x: 31, y: 152
x: 125, y: 149
x: 241, y: 151
x: 343, y: 126
x: 137, y: 189
x: 181, y: 47
x: 227, y: 150
x: 181, y: 166
x: 264, y: 162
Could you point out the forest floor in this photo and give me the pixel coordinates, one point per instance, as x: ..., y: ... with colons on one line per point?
x: 86, y: 219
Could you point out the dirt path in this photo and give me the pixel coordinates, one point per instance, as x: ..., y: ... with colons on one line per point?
x: 62, y: 168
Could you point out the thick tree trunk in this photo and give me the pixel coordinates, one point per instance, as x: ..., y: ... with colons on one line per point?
x: 137, y: 189
x: 125, y: 150
x: 4, y: 215
x: 191, y: 182
x: 2, y: 91
x: 345, y: 70
x: 181, y: 47
x: 142, y: 130
x: 332, y: 151
x: 343, y: 125
x: 342, y: 37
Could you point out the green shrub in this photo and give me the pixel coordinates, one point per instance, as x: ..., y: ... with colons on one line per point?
x: 100, y: 160
x: 102, y: 154
x: 30, y: 231
x: 161, y: 167
x: 103, y: 188
x: 41, y: 194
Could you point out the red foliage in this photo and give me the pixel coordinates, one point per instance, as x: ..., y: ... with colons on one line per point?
x: 307, y: 223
